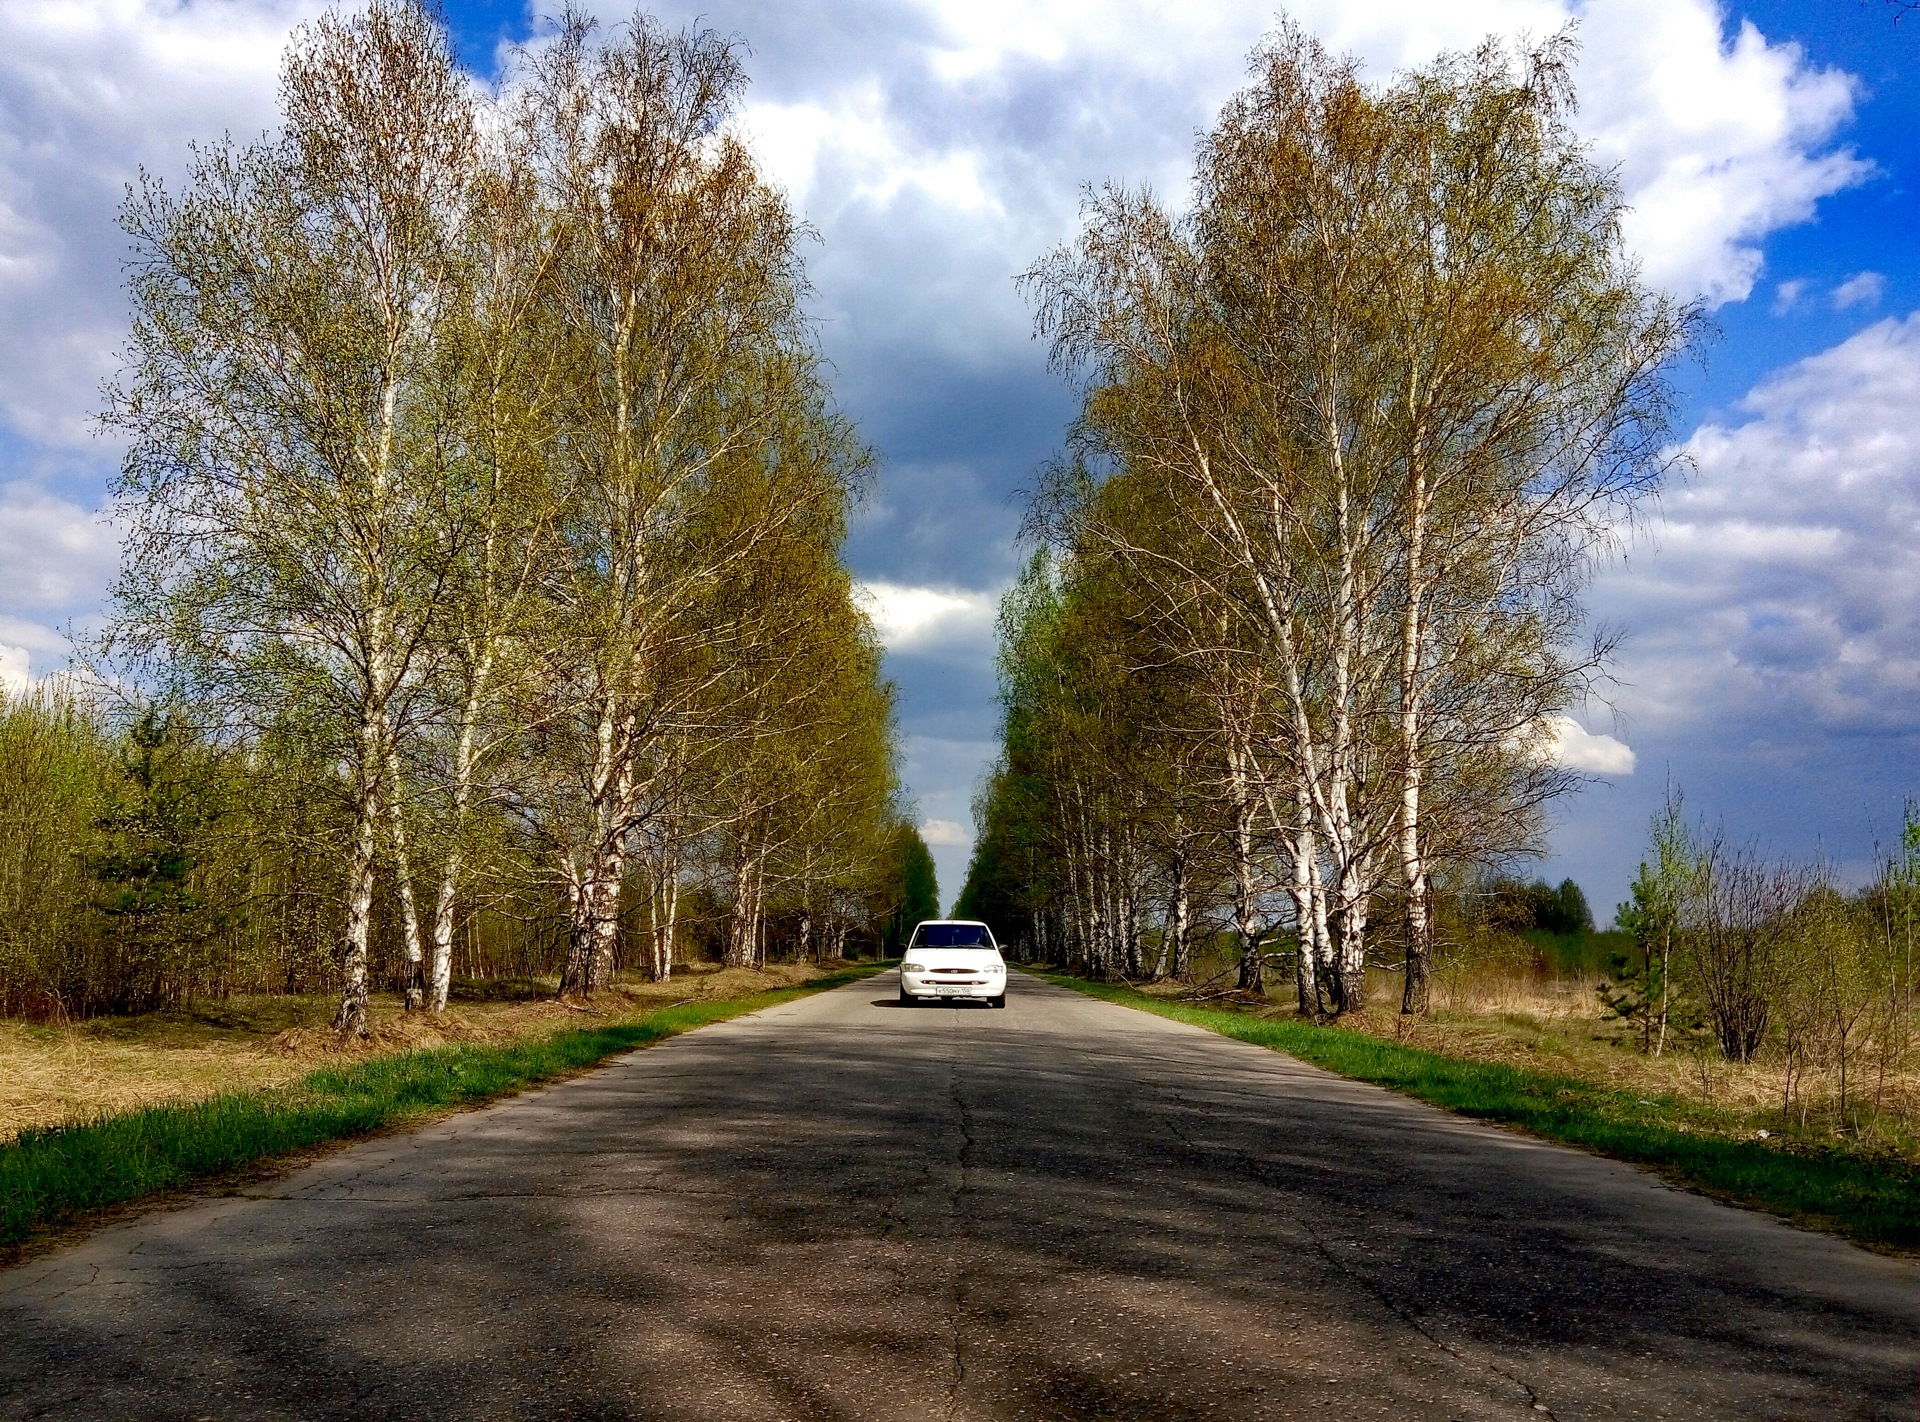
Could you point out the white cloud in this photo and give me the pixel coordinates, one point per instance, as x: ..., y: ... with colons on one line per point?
x: 1788, y: 295
x: 90, y: 91
x: 996, y: 113
x: 1569, y: 744
x: 25, y: 644
x: 945, y: 832
x: 1863, y: 289
x: 53, y: 552
x: 1772, y: 666
x: 15, y: 669
x: 942, y: 771
x: 919, y: 619
x: 1720, y: 138
x: 1782, y: 598
x: 1719, y: 143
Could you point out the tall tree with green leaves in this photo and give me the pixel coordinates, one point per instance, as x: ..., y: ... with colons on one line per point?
x: 913, y: 890
x: 697, y: 430
x: 1393, y: 375
x: 287, y: 492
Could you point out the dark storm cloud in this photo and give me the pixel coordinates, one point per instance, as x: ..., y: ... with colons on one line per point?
x: 939, y: 148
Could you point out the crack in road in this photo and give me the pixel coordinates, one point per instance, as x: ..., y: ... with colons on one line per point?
x: 957, y: 1302
x: 92, y: 1278
x: 1251, y: 1166
x: 1414, y: 1321
x: 890, y: 1221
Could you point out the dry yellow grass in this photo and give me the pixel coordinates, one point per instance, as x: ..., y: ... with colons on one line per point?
x: 1557, y: 1025
x: 50, y: 1074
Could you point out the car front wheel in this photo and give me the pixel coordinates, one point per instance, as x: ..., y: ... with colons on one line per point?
x: 1000, y: 1001
x: 906, y: 998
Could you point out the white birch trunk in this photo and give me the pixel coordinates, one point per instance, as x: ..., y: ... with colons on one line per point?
x: 595, y: 884
x: 465, y: 759
x: 414, y: 992
x: 1308, y: 914
x: 1413, y: 867
x: 1350, y: 964
x: 670, y: 939
x: 440, y: 950
x: 352, y: 1017
x: 740, y: 921
x: 1252, y: 963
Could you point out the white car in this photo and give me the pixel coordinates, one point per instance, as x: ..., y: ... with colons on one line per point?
x: 952, y: 958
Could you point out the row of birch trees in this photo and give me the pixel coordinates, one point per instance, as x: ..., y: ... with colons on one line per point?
x: 1307, y: 607
x: 479, y: 445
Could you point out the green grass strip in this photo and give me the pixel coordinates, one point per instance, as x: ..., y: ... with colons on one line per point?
x: 1874, y: 1201
x: 53, y: 1175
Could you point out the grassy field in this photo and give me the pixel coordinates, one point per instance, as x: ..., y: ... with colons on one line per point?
x: 1537, y: 1019
x: 53, y: 1174
x: 52, y: 1074
x: 1869, y: 1195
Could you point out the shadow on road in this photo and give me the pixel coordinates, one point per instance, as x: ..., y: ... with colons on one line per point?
x: 936, y: 1002
x: 1084, y: 1213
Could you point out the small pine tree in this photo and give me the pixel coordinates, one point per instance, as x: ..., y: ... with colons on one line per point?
x: 1641, y: 988
x: 155, y: 913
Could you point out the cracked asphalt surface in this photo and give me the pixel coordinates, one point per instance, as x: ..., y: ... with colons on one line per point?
x: 841, y: 1208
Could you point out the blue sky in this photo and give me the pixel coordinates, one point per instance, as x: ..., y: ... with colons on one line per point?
x: 1771, y: 603
x: 1873, y: 226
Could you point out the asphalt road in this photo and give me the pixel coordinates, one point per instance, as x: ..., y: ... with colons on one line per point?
x: 841, y: 1208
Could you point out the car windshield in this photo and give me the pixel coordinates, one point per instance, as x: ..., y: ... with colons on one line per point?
x: 952, y: 935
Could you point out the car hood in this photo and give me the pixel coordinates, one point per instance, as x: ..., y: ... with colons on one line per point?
x: 955, y: 957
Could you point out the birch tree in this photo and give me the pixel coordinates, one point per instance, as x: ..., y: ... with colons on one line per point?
x: 510, y: 458
x: 696, y: 425
x: 1530, y: 407
x: 288, y: 512
x: 1396, y: 376
x: 483, y: 476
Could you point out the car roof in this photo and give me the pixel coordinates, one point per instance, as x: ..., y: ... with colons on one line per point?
x: 969, y: 922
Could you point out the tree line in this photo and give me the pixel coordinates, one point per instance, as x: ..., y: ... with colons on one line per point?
x: 483, y: 504
x: 1305, y: 607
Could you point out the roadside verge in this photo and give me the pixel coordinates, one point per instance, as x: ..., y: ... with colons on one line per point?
x: 54, y: 1176
x: 1872, y: 1201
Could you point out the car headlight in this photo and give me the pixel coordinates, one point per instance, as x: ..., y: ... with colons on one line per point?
x: 913, y: 967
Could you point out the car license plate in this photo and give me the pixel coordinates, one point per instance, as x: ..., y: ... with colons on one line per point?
x: 949, y: 991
